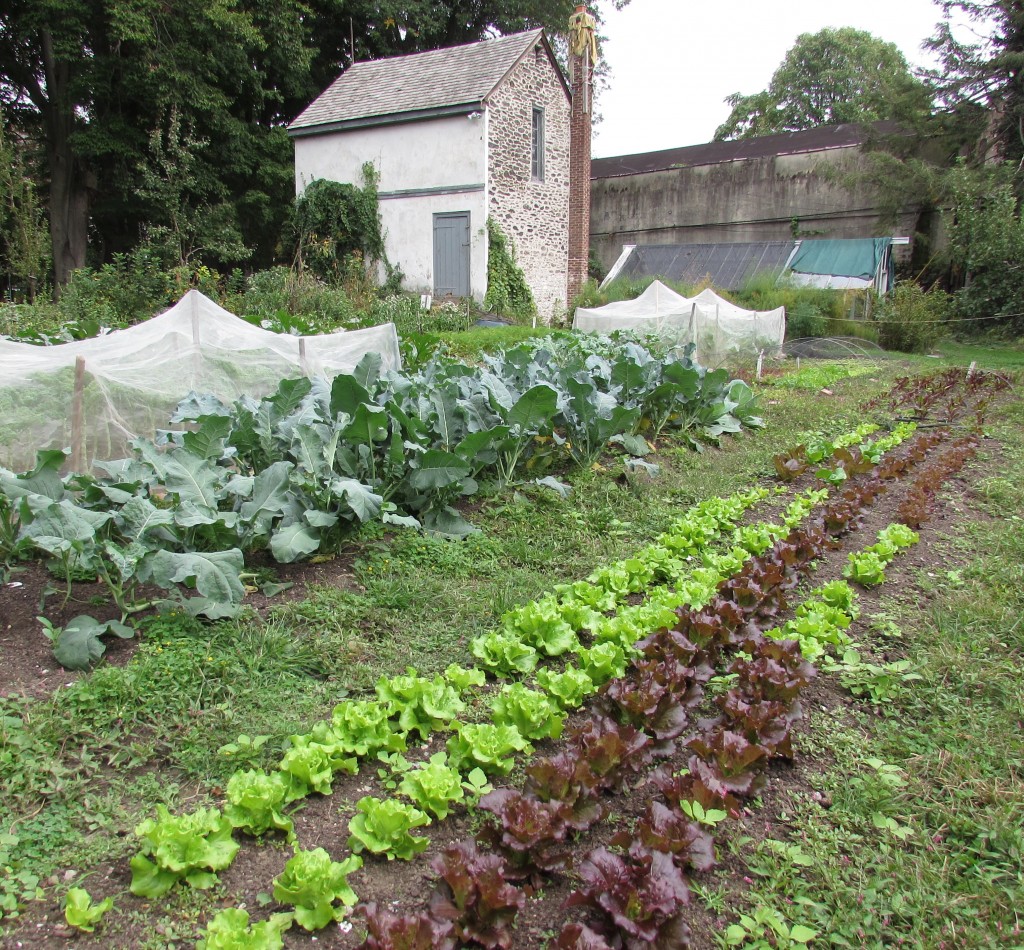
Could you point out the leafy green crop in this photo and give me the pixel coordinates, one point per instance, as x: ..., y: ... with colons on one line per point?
x: 383, y: 826
x: 313, y: 884
x: 230, y: 930
x: 504, y: 654
x: 190, y: 847
x: 540, y: 624
x: 80, y: 911
x: 569, y: 688
x: 865, y: 567
x: 433, y: 786
x: 77, y: 645
x: 485, y: 745
x: 899, y: 536
x: 462, y: 679
x: 255, y: 800
x: 603, y: 662
x: 531, y: 712
x: 363, y: 728
x: 310, y: 764
x: 422, y: 705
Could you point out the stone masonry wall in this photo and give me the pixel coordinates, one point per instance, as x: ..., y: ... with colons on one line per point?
x: 534, y: 214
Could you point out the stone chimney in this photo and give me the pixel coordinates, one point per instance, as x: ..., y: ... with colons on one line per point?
x: 582, y: 56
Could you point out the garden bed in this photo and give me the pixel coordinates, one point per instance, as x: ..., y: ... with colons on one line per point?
x: 718, y: 894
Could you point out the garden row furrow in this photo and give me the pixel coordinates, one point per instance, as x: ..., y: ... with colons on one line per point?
x: 387, y: 814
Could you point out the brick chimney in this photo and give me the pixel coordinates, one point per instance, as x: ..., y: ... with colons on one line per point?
x: 582, y: 53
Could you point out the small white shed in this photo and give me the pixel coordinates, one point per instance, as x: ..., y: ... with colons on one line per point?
x: 457, y: 135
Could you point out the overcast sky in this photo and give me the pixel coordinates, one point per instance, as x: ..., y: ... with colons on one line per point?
x: 673, y: 62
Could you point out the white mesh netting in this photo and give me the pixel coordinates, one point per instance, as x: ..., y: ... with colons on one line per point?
x: 720, y: 329
x: 94, y: 396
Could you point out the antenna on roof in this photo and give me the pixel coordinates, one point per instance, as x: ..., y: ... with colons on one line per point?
x: 351, y: 40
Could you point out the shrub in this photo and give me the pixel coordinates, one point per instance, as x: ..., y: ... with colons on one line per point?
x: 805, y: 319
x: 337, y: 226
x: 910, y: 318
x: 131, y: 288
x: 280, y: 299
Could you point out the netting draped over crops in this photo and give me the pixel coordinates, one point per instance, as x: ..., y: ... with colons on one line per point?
x: 719, y: 328
x: 94, y: 396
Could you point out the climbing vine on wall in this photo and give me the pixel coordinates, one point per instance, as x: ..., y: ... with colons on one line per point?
x: 507, y: 291
x: 337, y: 226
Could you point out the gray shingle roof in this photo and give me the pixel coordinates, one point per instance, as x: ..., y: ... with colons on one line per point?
x: 420, y: 83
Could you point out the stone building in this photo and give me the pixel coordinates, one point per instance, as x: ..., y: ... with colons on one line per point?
x: 458, y: 136
x: 773, y: 188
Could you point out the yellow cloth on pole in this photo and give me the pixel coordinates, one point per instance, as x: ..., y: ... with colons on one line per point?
x: 583, y: 35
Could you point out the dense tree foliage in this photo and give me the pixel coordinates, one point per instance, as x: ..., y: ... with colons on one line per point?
x: 166, y: 120
x: 981, y: 78
x: 829, y: 77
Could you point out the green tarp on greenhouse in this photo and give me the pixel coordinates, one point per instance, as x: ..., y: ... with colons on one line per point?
x: 859, y: 257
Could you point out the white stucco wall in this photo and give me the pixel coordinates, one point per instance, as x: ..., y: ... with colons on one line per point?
x: 433, y: 154
x: 428, y: 154
x: 409, y: 238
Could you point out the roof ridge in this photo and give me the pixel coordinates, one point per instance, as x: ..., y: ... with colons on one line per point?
x: 417, y: 84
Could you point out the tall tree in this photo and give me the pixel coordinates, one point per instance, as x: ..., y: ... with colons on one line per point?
x: 981, y: 79
x: 829, y: 77
x: 89, y: 77
x: 24, y: 243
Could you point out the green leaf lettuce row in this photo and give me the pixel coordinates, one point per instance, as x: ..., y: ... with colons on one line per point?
x: 540, y: 624
x: 255, y: 802
x: 569, y: 688
x: 503, y: 653
x: 531, y: 712
x: 486, y: 745
x: 80, y: 911
x: 190, y: 847
x: 422, y: 705
x: 434, y: 786
x: 311, y: 882
x: 363, y: 727
x: 312, y: 761
x: 383, y: 826
x: 230, y: 930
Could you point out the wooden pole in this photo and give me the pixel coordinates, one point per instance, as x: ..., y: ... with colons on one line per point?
x: 77, y: 417
x: 197, y: 356
x: 303, y: 367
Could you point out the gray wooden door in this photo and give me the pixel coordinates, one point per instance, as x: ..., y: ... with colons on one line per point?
x: 451, y: 254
